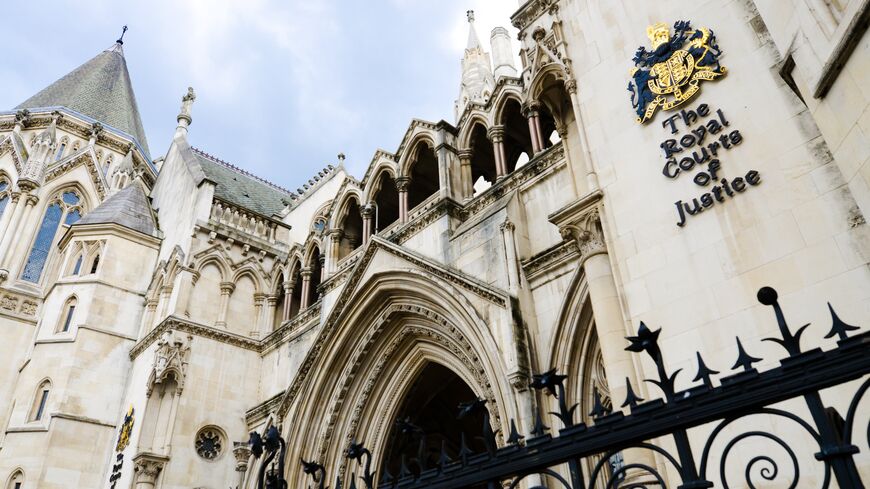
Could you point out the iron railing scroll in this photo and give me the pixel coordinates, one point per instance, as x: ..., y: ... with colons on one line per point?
x: 558, y: 458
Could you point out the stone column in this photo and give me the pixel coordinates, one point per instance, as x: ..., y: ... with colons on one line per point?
x: 465, y: 174
x: 402, y: 184
x: 14, y: 197
x: 335, y: 236
x: 306, y: 284
x: 288, y: 299
x: 18, y: 213
x: 269, y: 316
x: 227, y: 289
x: 496, y: 135
x: 184, y: 285
x: 582, y: 223
x: 243, y: 454
x: 533, y: 114
x: 259, y: 300
x: 510, y: 248
x: 148, y: 319
x: 165, y: 296
x: 591, y: 178
x: 366, y: 212
x: 146, y: 469
x: 322, y: 261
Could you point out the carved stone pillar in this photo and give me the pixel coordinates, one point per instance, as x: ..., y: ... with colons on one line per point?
x: 306, y: 285
x: 20, y: 216
x: 322, y: 261
x: 533, y: 114
x: 184, y: 286
x: 242, y: 452
x: 586, y: 166
x: 335, y: 236
x: 165, y: 296
x: 465, y: 174
x: 147, y: 468
x: 259, y: 302
x: 496, y: 135
x: 402, y: 184
x: 510, y: 247
x: 148, y: 319
x: 581, y: 222
x: 366, y: 212
x: 227, y: 289
x: 269, y: 316
x: 6, y: 222
x: 288, y: 299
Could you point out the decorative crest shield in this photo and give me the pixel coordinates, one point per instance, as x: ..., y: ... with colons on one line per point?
x: 126, y: 431
x: 670, y: 75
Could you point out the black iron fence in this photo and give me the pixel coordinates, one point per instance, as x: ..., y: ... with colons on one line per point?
x: 581, y: 455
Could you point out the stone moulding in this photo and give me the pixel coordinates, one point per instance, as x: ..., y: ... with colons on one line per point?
x: 529, y: 12
x: 261, y: 411
x: 201, y: 330
x: 550, y: 259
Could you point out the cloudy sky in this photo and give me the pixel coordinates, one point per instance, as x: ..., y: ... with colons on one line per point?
x: 282, y: 86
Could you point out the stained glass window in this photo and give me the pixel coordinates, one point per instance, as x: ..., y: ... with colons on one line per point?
x: 72, y: 217
x: 59, y: 153
x: 4, y: 197
x: 71, y: 198
x: 42, y: 245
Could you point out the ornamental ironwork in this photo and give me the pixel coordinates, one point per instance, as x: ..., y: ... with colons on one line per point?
x: 603, y: 452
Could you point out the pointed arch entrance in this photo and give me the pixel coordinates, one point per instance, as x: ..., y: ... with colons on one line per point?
x: 427, y: 422
x: 404, y: 334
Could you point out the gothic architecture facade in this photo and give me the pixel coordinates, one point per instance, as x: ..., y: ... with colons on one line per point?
x: 155, y: 310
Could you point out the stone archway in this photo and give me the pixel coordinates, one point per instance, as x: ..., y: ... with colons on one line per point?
x: 429, y: 423
x: 399, y: 323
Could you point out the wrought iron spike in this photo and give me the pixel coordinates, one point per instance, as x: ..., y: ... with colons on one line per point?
x: 597, y: 408
x: 515, y: 437
x: 540, y: 429
x: 443, y: 459
x: 704, y: 372
x: 470, y: 407
x: 838, y: 327
x: 631, y: 399
x: 744, y: 359
x: 464, y: 451
x: 791, y: 342
x: 256, y: 443
x: 352, y: 481
x: 549, y: 380
x: 646, y: 340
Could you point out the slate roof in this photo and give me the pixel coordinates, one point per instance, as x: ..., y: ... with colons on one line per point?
x: 128, y: 207
x: 100, y: 89
x: 236, y: 186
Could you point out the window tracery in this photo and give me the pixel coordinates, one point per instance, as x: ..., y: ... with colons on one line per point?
x: 209, y: 443
x: 66, y: 208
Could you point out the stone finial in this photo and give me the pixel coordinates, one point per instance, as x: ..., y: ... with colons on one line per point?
x: 184, y: 119
x: 470, y: 15
x: 341, y: 158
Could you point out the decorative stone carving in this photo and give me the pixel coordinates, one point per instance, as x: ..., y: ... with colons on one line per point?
x: 209, y: 443
x: 170, y: 360
x: 186, y: 101
x: 146, y: 467
x: 242, y: 452
x: 581, y: 222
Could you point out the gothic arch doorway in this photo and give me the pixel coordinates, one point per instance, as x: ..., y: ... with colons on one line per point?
x: 427, y: 420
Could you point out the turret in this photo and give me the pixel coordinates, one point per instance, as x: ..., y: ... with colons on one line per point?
x: 502, y: 58
x: 477, y: 80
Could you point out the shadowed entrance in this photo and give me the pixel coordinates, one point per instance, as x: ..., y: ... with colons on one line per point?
x: 431, y: 408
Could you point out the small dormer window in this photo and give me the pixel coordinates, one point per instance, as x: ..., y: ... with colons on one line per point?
x: 59, y: 153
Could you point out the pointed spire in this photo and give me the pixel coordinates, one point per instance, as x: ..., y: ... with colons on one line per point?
x: 473, y: 41
x: 100, y: 89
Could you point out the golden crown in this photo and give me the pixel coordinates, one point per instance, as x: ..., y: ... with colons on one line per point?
x: 658, y: 34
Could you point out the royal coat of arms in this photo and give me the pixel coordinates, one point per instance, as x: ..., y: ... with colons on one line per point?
x: 670, y: 75
x: 126, y: 431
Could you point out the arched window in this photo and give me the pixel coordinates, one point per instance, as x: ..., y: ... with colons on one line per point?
x: 4, y: 195
x: 386, y: 202
x: 351, y: 224
x: 517, y: 138
x: 95, y: 264
x: 66, y: 208
x: 40, y: 401
x: 16, y: 481
x: 60, y: 148
x: 78, y: 266
x: 66, y: 316
x: 483, y: 172
x: 424, y: 176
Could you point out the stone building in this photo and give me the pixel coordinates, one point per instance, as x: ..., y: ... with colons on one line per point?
x: 155, y: 310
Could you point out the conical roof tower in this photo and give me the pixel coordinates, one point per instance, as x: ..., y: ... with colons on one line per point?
x: 100, y: 89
